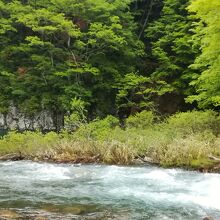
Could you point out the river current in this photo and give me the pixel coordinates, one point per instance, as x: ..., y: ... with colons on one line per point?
x: 61, y: 191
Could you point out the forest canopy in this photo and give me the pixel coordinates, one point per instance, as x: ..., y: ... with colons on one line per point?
x: 109, y: 56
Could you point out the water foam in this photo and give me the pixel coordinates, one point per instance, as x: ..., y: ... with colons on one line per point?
x: 50, y: 172
x: 207, y: 192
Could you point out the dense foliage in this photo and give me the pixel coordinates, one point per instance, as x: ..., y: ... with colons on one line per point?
x: 208, y: 63
x: 83, y: 59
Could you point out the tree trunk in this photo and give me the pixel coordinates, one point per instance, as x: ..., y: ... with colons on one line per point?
x: 146, y: 19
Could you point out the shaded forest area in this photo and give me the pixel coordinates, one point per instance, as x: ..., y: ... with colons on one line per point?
x: 83, y: 59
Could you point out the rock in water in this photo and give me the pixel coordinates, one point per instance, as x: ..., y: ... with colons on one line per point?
x: 9, y: 214
x: 208, y: 218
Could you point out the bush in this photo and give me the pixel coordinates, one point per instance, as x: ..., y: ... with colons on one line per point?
x: 98, y: 129
x: 141, y: 120
x: 78, y: 115
x: 194, y: 122
x: 27, y: 143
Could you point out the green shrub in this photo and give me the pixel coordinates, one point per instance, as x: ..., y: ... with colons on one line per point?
x: 78, y: 115
x: 141, y: 120
x: 194, y: 122
x: 98, y: 129
x: 27, y: 143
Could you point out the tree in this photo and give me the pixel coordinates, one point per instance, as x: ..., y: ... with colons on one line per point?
x: 56, y: 51
x: 208, y: 63
x: 171, y: 54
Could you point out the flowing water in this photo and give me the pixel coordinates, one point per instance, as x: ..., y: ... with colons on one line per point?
x: 30, y: 190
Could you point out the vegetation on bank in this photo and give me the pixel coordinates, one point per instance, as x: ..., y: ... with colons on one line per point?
x: 190, y: 139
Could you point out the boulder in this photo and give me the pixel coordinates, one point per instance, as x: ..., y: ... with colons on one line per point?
x: 208, y: 218
x: 9, y: 214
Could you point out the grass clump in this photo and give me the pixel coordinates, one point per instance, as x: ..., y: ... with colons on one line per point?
x: 182, y: 151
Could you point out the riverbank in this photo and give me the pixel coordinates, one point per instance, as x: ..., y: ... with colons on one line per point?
x: 208, y: 165
x: 188, y: 140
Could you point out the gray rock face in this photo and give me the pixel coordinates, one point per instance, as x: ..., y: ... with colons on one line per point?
x: 14, y: 119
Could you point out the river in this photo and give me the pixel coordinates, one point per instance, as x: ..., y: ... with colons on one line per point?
x: 33, y: 190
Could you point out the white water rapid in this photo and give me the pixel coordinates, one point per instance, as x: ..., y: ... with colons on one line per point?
x: 61, y: 191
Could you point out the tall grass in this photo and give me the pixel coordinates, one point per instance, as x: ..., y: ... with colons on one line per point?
x: 184, y: 139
